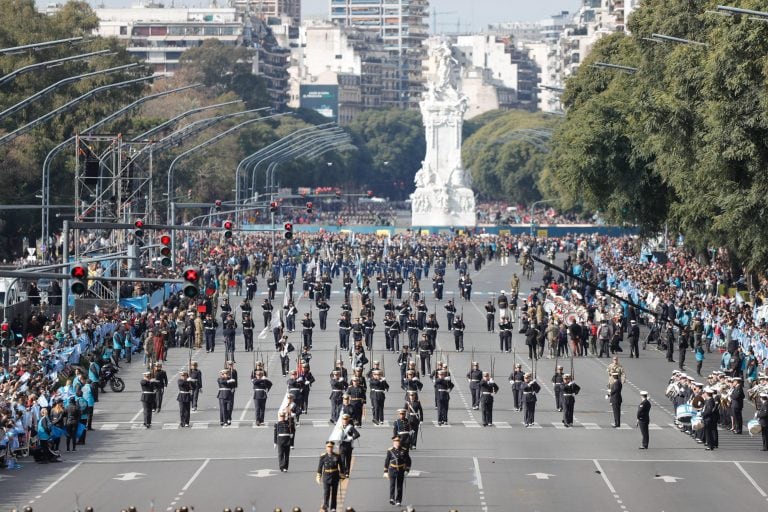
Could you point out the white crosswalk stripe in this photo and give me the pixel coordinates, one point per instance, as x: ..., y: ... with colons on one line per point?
x: 502, y: 424
x: 109, y: 426
x: 653, y: 426
x: 170, y: 426
x: 200, y: 424
x: 558, y: 425
x: 591, y: 426
x: 471, y: 424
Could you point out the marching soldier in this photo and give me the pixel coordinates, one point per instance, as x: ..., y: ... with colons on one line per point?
x: 413, y: 332
x: 431, y: 328
x: 309, y: 379
x: 161, y: 379
x: 396, y: 465
x: 411, y: 382
x: 438, y: 285
x: 616, y: 368
x: 345, y: 327
x: 450, y: 312
x: 266, y: 309
x: 505, y: 334
x: 710, y: 416
x: 488, y: 388
x: 348, y: 434
x: 530, y: 389
x: 226, y: 396
x: 644, y: 418
x: 402, y: 361
x: 425, y: 354
x: 516, y: 379
x: 261, y: 387
x: 283, y: 436
x: 762, y: 415
x: 184, y: 398
x: 271, y: 289
x: 284, y: 348
x: 196, y: 380
x: 737, y: 405
x: 379, y: 387
x: 421, y: 314
x: 634, y: 339
x: 230, y: 331
x: 490, y: 315
x: 245, y: 308
x: 368, y: 326
x: 570, y: 390
x: 225, y: 309
x: 307, y: 324
x: 402, y: 428
x: 415, y: 416
x: 338, y: 388
x: 458, y: 333
x: 329, y: 474
x: 248, y: 331
x: 295, y: 385
x: 322, y: 309
x: 148, y: 386
x: 347, y: 283
x: 474, y: 376
x: 356, y: 396
x: 210, y: 325
x: 357, y: 331
x: 614, y: 396
x: 403, y: 311
x: 443, y: 387
x: 557, y: 384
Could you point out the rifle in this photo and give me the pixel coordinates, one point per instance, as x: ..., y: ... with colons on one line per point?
x: 335, y: 354
x: 573, y: 376
x: 493, y: 366
x: 473, y: 358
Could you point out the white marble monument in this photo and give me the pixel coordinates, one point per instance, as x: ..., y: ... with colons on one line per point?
x: 443, y: 196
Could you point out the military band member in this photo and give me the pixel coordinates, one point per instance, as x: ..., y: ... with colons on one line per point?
x: 261, y: 387
x: 516, y: 379
x: 348, y: 434
x: 148, y: 387
x: 196, y: 379
x: 531, y: 388
x: 488, y: 388
x: 226, y: 397
x: 443, y: 387
x: 283, y: 436
x: 474, y: 376
x: 644, y: 418
x: 329, y: 475
x: 557, y: 384
x: 397, y: 464
x: 570, y: 390
x: 379, y: 387
x: 614, y: 396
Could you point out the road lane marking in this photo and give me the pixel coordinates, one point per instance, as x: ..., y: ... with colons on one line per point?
x: 62, y: 477
x: 197, y: 473
x: 605, y: 477
x: 478, y: 476
x: 750, y: 479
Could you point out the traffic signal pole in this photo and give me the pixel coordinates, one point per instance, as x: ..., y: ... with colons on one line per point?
x: 65, y: 281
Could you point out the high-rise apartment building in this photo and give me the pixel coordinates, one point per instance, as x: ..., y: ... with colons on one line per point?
x: 401, y: 27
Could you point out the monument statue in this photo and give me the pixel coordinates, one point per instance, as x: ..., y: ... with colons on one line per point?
x: 443, y: 195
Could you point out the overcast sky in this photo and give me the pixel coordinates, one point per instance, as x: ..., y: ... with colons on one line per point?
x: 474, y: 14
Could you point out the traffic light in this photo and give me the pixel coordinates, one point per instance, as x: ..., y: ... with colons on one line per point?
x: 138, y: 232
x: 309, y: 207
x: 165, y: 251
x: 273, y: 207
x: 191, y: 277
x: 217, y: 205
x: 79, y: 273
x: 288, y: 230
x: 228, y: 225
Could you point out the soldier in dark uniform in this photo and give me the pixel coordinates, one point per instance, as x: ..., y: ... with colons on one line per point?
x: 710, y: 416
x: 634, y: 339
x: 402, y: 361
x: 248, y: 331
x: 345, y: 326
x: 322, y: 309
x: 458, y: 333
x: 357, y: 400
x: 329, y: 475
x: 438, y: 285
x: 412, y: 327
x: 261, y: 387
x: 148, y: 387
x: 450, y: 312
x: 614, y: 396
x: 425, y: 354
x: 225, y: 309
x: 295, y: 385
x: 396, y: 465
x: 403, y: 310
x: 557, y: 384
x: 505, y: 334
x: 402, y: 428
x: 443, y: 387
x: 474, y: 376
x: 393, y: 334
x: 431, y: 328
x: 283, y: 436
x: 357, y: 331
x: 251, y: 285
x: 226, y: 396
x: 230, y: 331
x: 271, y: 286
x: 644, y: 418
x: 266, y: 309
x: 309, y: 379
x: 184, y: 398
x: 516, y: 379
x: 530, y: 389
x: 490, y: 316
x: 338, y: 388
x: 762, y: 416
x: 210, y: 325
x: 737, y: 405
x: 421, y: 314
x: 347, y: 283
x: 368, y: 326
x: 245, y: 308
x: 196, y: 380
x: 306, y: 330
x: 488, y: 388
x: 348, y: 435
x: 415, y: 416
x: 162, y: 382
x: 399, y: 282
x: 379, y: 387
x: 570, y: 390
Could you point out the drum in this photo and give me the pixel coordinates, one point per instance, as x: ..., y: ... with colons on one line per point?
x: 754, y: 427
x: 549, y: 307
x: 684, y: 412
x: 697, y: 423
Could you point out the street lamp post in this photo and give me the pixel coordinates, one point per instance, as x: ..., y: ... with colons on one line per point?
x: 533, y: 206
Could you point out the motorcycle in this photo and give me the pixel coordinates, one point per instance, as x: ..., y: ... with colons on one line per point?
x: 109, y: 375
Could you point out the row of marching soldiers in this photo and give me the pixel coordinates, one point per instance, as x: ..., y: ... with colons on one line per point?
x: 700, y: 407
